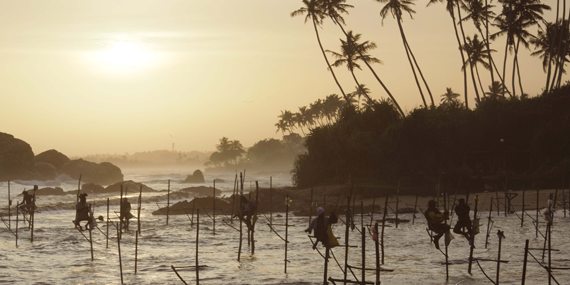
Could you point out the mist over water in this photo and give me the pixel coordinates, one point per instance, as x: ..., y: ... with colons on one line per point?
x: 61, y: 255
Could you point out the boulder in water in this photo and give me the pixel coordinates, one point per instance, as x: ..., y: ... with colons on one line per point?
x: 104, y: 173
x: 196, y: 177
x: 45, y: 171
x: 91, y: 188
x: 16, y: 159
x: 53, y: 157
x: 129, y: 186
x: 198, y: 203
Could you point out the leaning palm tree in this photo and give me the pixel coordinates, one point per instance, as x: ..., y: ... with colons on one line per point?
x: 546, y: 50
x: 334, y: 9
x: 477, y: 54
x: 450, y: 6
x: 396, y: 7
x: 351, y: 52
x: 314, y: 11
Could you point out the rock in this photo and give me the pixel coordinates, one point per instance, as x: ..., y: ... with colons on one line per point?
x: 129, y: 186
x: 49, y: 191
x: 16, y: 159
x: 196, y: 177
x: 53, y: 157
x: 219, y: 180
x: 92, y: 188
x: 201, y: 191
x: 198, y: 203
x: 104, y: 173
x: 45, y: 171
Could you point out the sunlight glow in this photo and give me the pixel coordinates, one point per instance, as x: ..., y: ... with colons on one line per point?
x: 124, y: 57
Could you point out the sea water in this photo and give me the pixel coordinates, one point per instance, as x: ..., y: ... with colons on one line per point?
x: 59, y: 253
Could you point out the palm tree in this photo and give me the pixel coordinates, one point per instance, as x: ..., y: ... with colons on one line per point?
x: 496, y: 91
x: 478, y: 54
x: 450, y: 5
x: 396, y: 7
x: 314, y: 11
x: 480, y: 13
x: 546, y: 50
x: 351, y: 53
x: 334, y: 9
x: 448, y: 96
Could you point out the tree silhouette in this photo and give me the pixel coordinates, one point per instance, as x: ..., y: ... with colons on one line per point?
x: 396, y: 7
x: 477, y: 54
x: 314, y: 11
x: 549, y: 52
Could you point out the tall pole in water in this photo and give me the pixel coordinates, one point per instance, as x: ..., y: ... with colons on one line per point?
x: 347, y: 225
x: 33, y: 209
x: 10, y: 206
x: 107, y: 246
x: 139, y: 212
x: 472, y: 234
x: 240, y: 216
x: 168, y: 202
x: 214, y: 214
x: 286, y: 228
x: 197, y: 239
x: 270, y: 200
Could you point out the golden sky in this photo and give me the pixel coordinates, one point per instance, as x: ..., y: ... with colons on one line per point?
x: 118, y: 76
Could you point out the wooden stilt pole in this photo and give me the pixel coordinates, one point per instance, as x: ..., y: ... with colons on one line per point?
x: 500, y: 235
x: 524, y: 262
x: 472, y: 234
x: 363, y: 280
x: 139, y: 212
x: 136, y: 250
x: 119, y: 249
x: 17, y: 218
x: 10, y: 208
x: 121, y: 217
x: 445, y: 241
x: 214, y: 214
x: 234, y: 194
x: 489, y: 223
x: 415, y: 207
x: 549, y: 233
x: 498, y: 203
x: 347, y: 226
x: 377, y: 255
x: 241, y: 216
x: 286, y: 229
x: 563, y: 200
x: 168, y: 203
x: 372, y: 212
x: 193, y: 207
x: 197, y: 242
x: 255, y: 213
x: 361, y: 213
x: 383, y: 226
x: 327, y: 252
x: 107, y: 236
x: 33, y: 216
x: 523, y: 206
x: 90, y: 229
x: 397, y: 201
x: 270, y: 200
x: 537, y: 210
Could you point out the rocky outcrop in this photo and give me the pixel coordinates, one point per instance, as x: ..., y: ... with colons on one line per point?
x: 196, y: 177
x: 91, y: 188
x: 201, y: 191
x: 45, y: 171
x: 16, y: 159
x: 53, y: 157
x: 104, y: 173
x: 198, y: 203
x: 129, y: 186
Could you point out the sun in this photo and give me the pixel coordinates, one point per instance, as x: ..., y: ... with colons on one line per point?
x: 124, y: 57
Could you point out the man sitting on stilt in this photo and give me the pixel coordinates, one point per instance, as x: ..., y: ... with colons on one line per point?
x: 435, y: 221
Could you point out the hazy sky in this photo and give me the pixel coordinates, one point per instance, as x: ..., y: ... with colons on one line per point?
x: 118, y: 76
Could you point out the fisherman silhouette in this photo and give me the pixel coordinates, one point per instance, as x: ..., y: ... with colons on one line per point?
x: 126, y: 213
x: 464, y: 225
x: 321, y: 226
x: 435, y: 221
x: 82, y: 212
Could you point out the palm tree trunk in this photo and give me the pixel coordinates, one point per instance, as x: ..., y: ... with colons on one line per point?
x: 562, y: 49
x: 479, y: 79
x: 421, y: 74
x: 410, y: 61
x: 505, y: 63
x: 327, y: 60
x: 464, y: 42
x: 462, y: 59
x: 519, y: 75
x: 488, y: 45
x: 373, y: 72
x: 515, y: 66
